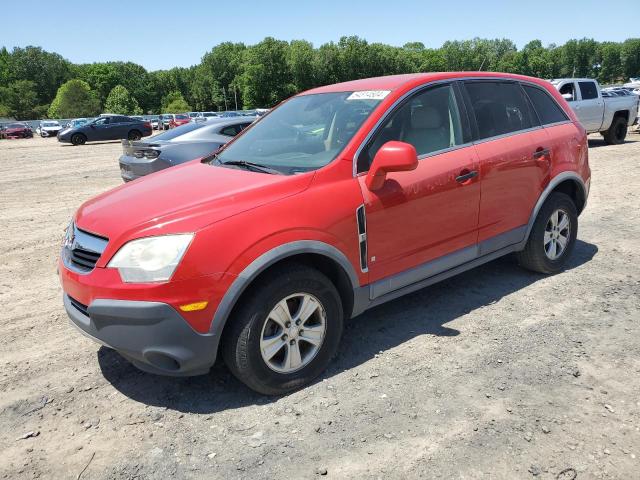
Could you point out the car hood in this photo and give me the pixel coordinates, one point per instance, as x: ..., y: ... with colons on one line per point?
x: 185, y: 198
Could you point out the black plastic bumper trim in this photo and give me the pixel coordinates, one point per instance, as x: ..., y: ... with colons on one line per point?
x: 152, y: 335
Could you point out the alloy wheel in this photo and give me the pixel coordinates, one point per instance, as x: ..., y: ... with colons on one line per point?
x: 557, y: 234
x: 293, y: 333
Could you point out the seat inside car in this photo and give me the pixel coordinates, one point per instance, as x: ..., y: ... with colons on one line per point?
x: 427, y: 130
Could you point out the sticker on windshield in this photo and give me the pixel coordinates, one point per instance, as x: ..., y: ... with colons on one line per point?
x: 369, y: 95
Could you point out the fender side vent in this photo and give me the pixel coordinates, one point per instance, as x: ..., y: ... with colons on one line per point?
x: 362, y: 237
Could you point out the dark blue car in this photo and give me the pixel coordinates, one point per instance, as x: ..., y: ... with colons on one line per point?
x: 106, y: 127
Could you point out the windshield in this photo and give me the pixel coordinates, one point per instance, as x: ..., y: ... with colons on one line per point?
x: 16, y: 125
x: 50, y: 124
x: 182, y: 117
x: 303, y: 134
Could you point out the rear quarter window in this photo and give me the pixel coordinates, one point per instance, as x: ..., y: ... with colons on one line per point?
x: 546, y: 107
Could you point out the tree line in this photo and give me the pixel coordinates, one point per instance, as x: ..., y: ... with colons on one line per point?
x: 35, y: 83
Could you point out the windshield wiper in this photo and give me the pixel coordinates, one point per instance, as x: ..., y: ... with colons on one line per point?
x: 251, y: 166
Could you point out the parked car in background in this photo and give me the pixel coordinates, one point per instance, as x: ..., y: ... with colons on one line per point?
x: 229, y: 114
x: 609, y: 115
x: 181, y: 144
x: 164, y: 120
x: 106, y: 127
x: 204, y: 116
x: 76, y: 122
x: 342, y: 198
x: 154, y: 122
x: 179, y: 119
x: 49, y: 128
x: 16, y: 130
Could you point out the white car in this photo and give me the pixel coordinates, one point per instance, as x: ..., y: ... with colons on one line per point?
x: 49, y: 128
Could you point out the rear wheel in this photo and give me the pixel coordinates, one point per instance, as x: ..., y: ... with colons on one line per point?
x: 617, y: 132
x: 286, y: 333
x: 78, y: 139
x: 134, y: 135
x: 552, y: 237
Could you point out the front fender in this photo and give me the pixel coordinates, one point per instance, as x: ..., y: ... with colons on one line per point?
x: 269, y: 258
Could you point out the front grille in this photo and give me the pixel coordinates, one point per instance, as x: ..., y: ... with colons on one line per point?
x: 79, y: 306
x: 82, y: 250
x: 84, y: 258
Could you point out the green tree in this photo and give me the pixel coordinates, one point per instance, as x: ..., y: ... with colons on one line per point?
x: 19, y: 99
x: 121, y: 101
x: 630, y: 57
x: 177, y: 105
x: 218, y: 76
x: 301, y: 64
x: 610, y: 56
x: 266, y: 79
x: 74, y: 99
x: 46, y: 70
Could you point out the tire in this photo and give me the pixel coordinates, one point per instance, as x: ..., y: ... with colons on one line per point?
x: 134, y: 135
x: 617, y: 132
x: 78, y: 139
x: 253, y: 322
x: 538, y: 254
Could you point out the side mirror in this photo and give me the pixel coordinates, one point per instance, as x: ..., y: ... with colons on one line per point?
x: 568, y: 97
x: 392, y: 157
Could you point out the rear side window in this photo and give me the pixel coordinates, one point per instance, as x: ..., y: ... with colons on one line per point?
x: 499, y: 108
x: 230, y: 131
x: 546, y: 107
x: 588, y: 90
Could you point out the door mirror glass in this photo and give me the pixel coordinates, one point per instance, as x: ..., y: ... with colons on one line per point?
x: 393, y: 156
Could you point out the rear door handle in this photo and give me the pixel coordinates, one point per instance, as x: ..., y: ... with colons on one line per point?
x: 541, y: 153
x: 466, y: 176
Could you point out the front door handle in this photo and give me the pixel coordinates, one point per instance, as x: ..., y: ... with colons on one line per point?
x: 467, y: 175
x: 541, y: 153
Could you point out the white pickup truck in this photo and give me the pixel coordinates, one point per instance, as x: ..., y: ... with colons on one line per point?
x: 611, y: 116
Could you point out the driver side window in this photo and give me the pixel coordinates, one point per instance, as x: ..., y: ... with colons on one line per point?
x: 568, y: 89
x: 102, y: 121
x: 429, y: 120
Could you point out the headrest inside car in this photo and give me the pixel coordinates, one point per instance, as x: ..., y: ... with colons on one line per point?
x: 426, y: 118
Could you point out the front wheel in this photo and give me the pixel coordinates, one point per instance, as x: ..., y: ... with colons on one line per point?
x: 78, y: 139
x: 552, y: 237
x: 286, y: 333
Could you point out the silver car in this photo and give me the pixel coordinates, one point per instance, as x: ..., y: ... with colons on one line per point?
x: 178, y: 145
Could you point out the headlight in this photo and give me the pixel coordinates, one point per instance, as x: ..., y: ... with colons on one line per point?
x: 152, y: 259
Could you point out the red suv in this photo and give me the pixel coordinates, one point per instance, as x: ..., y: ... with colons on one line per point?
x: 342, y: 198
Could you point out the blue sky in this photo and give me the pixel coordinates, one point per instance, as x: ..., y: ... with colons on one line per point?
x: 164, y: 34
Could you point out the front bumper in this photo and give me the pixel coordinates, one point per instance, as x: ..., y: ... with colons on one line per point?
x: 49, y: 133
x: 151, y: 335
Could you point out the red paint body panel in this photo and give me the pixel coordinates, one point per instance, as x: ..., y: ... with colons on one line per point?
x: 512, y: 180
x: 238, y: 215
x: 423, y: 214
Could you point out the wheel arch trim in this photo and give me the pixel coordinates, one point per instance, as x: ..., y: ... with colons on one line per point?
x: 266, y: 260
x: 555, y: 181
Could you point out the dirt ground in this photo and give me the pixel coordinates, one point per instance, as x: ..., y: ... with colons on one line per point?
x: 497, y: 373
